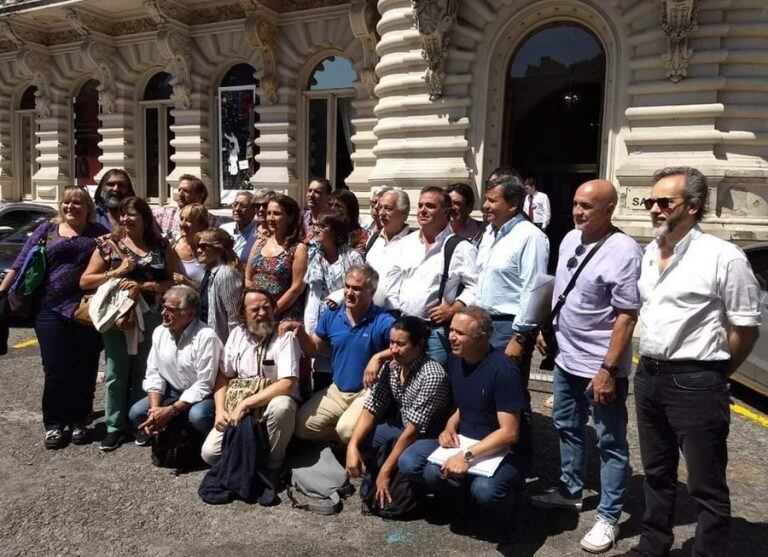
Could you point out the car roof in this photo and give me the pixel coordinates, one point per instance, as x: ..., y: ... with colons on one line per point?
x: 754, y: 247
x: 24, y: 205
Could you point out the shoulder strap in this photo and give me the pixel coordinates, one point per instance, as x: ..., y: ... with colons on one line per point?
x: 448, y: 249
x: 371, y: 239
x: 561, y: 299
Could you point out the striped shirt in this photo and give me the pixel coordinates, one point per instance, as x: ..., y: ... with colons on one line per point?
x: 224, y: 288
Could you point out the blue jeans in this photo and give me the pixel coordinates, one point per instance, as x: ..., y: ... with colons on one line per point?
x: 570, y: 413
x: 437, y: 345
x: 413, y: 459
x: 200, y: 415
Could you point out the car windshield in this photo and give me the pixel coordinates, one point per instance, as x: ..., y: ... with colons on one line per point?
x: 20, y: 236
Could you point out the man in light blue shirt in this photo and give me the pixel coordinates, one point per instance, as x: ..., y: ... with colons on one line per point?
x: 512, y: 253
x: 243, y: 225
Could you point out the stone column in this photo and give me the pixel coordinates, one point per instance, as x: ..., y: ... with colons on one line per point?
x: 53, y: 147
x: 7, y: 192
x: 116, y: 132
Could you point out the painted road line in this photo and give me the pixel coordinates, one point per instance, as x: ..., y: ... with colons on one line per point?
x: 759, y: 419
x: 635, y: 360
x: 26, y: 343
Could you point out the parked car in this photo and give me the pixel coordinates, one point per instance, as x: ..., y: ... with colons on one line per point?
x: 15, y: 215
x: 753, y: 373
x: 11, y: 244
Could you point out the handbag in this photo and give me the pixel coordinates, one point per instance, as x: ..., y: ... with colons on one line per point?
x: 547, y: 326
x: 240, y: 389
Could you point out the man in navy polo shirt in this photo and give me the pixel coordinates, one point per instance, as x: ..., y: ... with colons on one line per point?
x: 358, y: 332
x: 490, y: 404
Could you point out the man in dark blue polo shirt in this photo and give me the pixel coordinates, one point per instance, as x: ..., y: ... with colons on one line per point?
x: 358, y: 332
x: 490, y: 402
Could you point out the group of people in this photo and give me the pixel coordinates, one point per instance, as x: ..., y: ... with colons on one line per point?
x: 378, y: 334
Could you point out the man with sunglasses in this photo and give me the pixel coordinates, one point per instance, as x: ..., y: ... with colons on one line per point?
x: 243, y: 225
x: 700, y: 321
x: 594, y: 331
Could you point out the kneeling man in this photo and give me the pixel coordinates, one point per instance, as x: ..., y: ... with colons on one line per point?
x: 254, y: 350
x: 181, y: 367
x: 408, y: 405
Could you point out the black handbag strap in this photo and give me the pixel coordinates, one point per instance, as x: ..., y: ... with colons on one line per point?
x: 561, y: 298
x: 448, y: 248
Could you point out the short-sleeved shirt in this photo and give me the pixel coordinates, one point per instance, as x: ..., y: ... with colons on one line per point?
x: 422, y: 399
x: 483, y: 389
x: 607, y: 284
x: 353, y: 346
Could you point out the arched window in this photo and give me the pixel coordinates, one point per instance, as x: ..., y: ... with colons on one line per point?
x: 329, y: 97
x: 236, y: 102
x: 156, y: 109
x: 85, y: 134
x: 25, y: 128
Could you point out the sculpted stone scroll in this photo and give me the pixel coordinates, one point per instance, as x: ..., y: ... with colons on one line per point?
x: 678, y: 21
x: 434, y: 20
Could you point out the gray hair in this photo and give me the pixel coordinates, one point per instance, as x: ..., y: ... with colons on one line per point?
x: 378, y: 191
x: 695, y: 184
x: 264, y: 195
x: 369, y: 273
x: 511, y: 185
x: 246, y: 194
x: 403, y: 203
x: 188, y: 297
x: 481, y: 317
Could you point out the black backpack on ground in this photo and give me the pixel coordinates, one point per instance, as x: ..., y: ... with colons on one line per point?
x: 404, y: 498
x: 177, y: 446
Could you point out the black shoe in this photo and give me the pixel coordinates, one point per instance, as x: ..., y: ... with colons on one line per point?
x: 56, y: 438
x: 79, y: 434
x: 141, y: 439
x: 112, y: 440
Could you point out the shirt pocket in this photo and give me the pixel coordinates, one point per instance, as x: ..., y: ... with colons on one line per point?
x: 594, y: 295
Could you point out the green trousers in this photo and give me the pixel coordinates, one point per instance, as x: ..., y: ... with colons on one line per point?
x: 124, y: 373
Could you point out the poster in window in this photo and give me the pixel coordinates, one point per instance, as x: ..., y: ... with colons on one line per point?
x: 236, y: 112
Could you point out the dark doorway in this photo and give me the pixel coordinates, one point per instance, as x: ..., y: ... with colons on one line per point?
x: 86, y: 134
x: 553, y: 116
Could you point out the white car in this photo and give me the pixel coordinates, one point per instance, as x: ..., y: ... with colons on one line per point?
x: 753, y: 373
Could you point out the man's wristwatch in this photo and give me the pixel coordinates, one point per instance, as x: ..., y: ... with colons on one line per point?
x: 469, y: 457
x: 613, y: 371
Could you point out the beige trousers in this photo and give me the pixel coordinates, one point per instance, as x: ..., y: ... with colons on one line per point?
x: 280, y: 419
x: 330, y: 413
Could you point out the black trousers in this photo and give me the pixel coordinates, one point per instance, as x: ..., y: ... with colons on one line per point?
x: 684, y: 407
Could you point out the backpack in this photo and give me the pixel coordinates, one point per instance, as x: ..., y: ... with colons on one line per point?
x: 177, y: 446
x: 318, y: 479
x: 404, y: 499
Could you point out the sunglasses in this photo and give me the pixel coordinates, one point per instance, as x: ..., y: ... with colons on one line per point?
x: 261, y: 206
x: 204, y: 245
x: 169, y: 309
x: 574, y: 260
x: 662, y: 202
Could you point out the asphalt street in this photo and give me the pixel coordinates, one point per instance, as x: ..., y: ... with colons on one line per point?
x: 80, y: 501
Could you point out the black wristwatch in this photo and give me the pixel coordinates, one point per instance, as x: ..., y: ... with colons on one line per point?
x: 613, y: 371
x: 469, y: 457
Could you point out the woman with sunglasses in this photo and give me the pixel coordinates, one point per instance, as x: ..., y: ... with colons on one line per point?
x: 142, y: 260
x: 222, y: 281
x: 193, y: 218
x: 344, y: 204
x: 69, y: 350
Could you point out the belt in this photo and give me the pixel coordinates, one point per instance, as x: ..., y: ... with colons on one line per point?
x: 502, y: 317
x: 672, y: 367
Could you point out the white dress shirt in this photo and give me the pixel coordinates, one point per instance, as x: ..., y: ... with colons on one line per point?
x: 243, y: 358
x: 414, y: 278
x: 381, y: 257
x: 706, y: 286
x: 509, y: 260
x: 542, y: 213
x: 189, y: 365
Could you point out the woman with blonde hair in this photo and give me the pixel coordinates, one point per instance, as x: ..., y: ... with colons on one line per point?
x: 193, y: 218
x: 69, y: 350
x: 222, y: 281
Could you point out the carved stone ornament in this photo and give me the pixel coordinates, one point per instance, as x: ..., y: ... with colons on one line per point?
x: 434, y: 20
x: 363, y: 17
x: 35, y: 65
x: 678, y: 21
x: 262, y: 33
x: 98, y: 56
x: 175, y: 46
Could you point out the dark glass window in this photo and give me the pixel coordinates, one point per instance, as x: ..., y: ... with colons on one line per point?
x: 159, y: 87
x: 318, y: 137
x: 86, y: 132
x: 28, y: 98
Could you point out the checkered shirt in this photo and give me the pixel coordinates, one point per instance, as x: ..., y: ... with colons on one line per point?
x: 167, y: 219
x: 423, y: 399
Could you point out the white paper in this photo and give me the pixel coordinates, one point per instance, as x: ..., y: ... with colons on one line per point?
x: 242, y: 165
x: 481, y: 466
x: 540, y: 303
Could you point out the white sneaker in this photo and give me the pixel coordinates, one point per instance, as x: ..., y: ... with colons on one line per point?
x: 601, y: 537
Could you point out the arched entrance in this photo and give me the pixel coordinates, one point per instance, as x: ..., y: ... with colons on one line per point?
x: 25, y: 155
x: 553, y: 108
x: 85, y: 133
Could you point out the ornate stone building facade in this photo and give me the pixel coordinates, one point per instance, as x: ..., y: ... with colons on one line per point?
x: 406, y: 92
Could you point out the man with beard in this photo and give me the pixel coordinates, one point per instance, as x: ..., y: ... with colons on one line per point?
x: 317, y: 203
x: 594, y: 332
x: 358, y: 333
x: 113, y: 187
x: 255, y: 350
x: 700, y: 321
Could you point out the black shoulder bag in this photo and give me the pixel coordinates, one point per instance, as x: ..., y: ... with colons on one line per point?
x: 547, y: 327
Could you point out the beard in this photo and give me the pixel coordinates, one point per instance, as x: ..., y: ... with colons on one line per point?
x: 112, y: 201
x: 663, y: 229
x: 260, y: 329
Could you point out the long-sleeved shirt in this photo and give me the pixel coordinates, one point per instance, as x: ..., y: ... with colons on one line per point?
x: 244, y: 238
x: 223, y: 292
x: 509, y: 259
x: 380, y: 256
x: 188, y: 365
x: 414, y: 279
x: 542, y: 213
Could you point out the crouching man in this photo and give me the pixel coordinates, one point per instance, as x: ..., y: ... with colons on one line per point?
x: 408, y: 406
x: 490, y: 401
x: 181, y: 367
x: 254, y: 349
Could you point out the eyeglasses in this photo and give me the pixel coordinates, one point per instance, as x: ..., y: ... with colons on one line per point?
x: 573, y: 261
x: 204, y: 245
x: 662, y: 202
x: 241, y: 205
x: 318, y: 226
x: 169, y: 309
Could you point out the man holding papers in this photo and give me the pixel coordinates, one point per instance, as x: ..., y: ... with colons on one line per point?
x: 488, y: 422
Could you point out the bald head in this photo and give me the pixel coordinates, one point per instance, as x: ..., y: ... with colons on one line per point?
x: 593, y: 206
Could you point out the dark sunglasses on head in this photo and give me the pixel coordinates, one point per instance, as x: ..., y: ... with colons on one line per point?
x: 573, y: 261
x: 76, y: 187
x: 662, y: 202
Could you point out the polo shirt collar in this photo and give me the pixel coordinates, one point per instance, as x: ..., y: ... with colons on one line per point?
x: 373, y: 311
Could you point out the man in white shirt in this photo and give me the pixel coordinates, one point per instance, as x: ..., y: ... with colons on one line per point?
x: 512, y: 254
x: 394, y: 207
x: 536, y: 205
x: 417, y: 269
x: 243, y: 225
x: 700, y: 321
x: 181, y: 367
x: 373, y: 223
x: 254, y: 350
